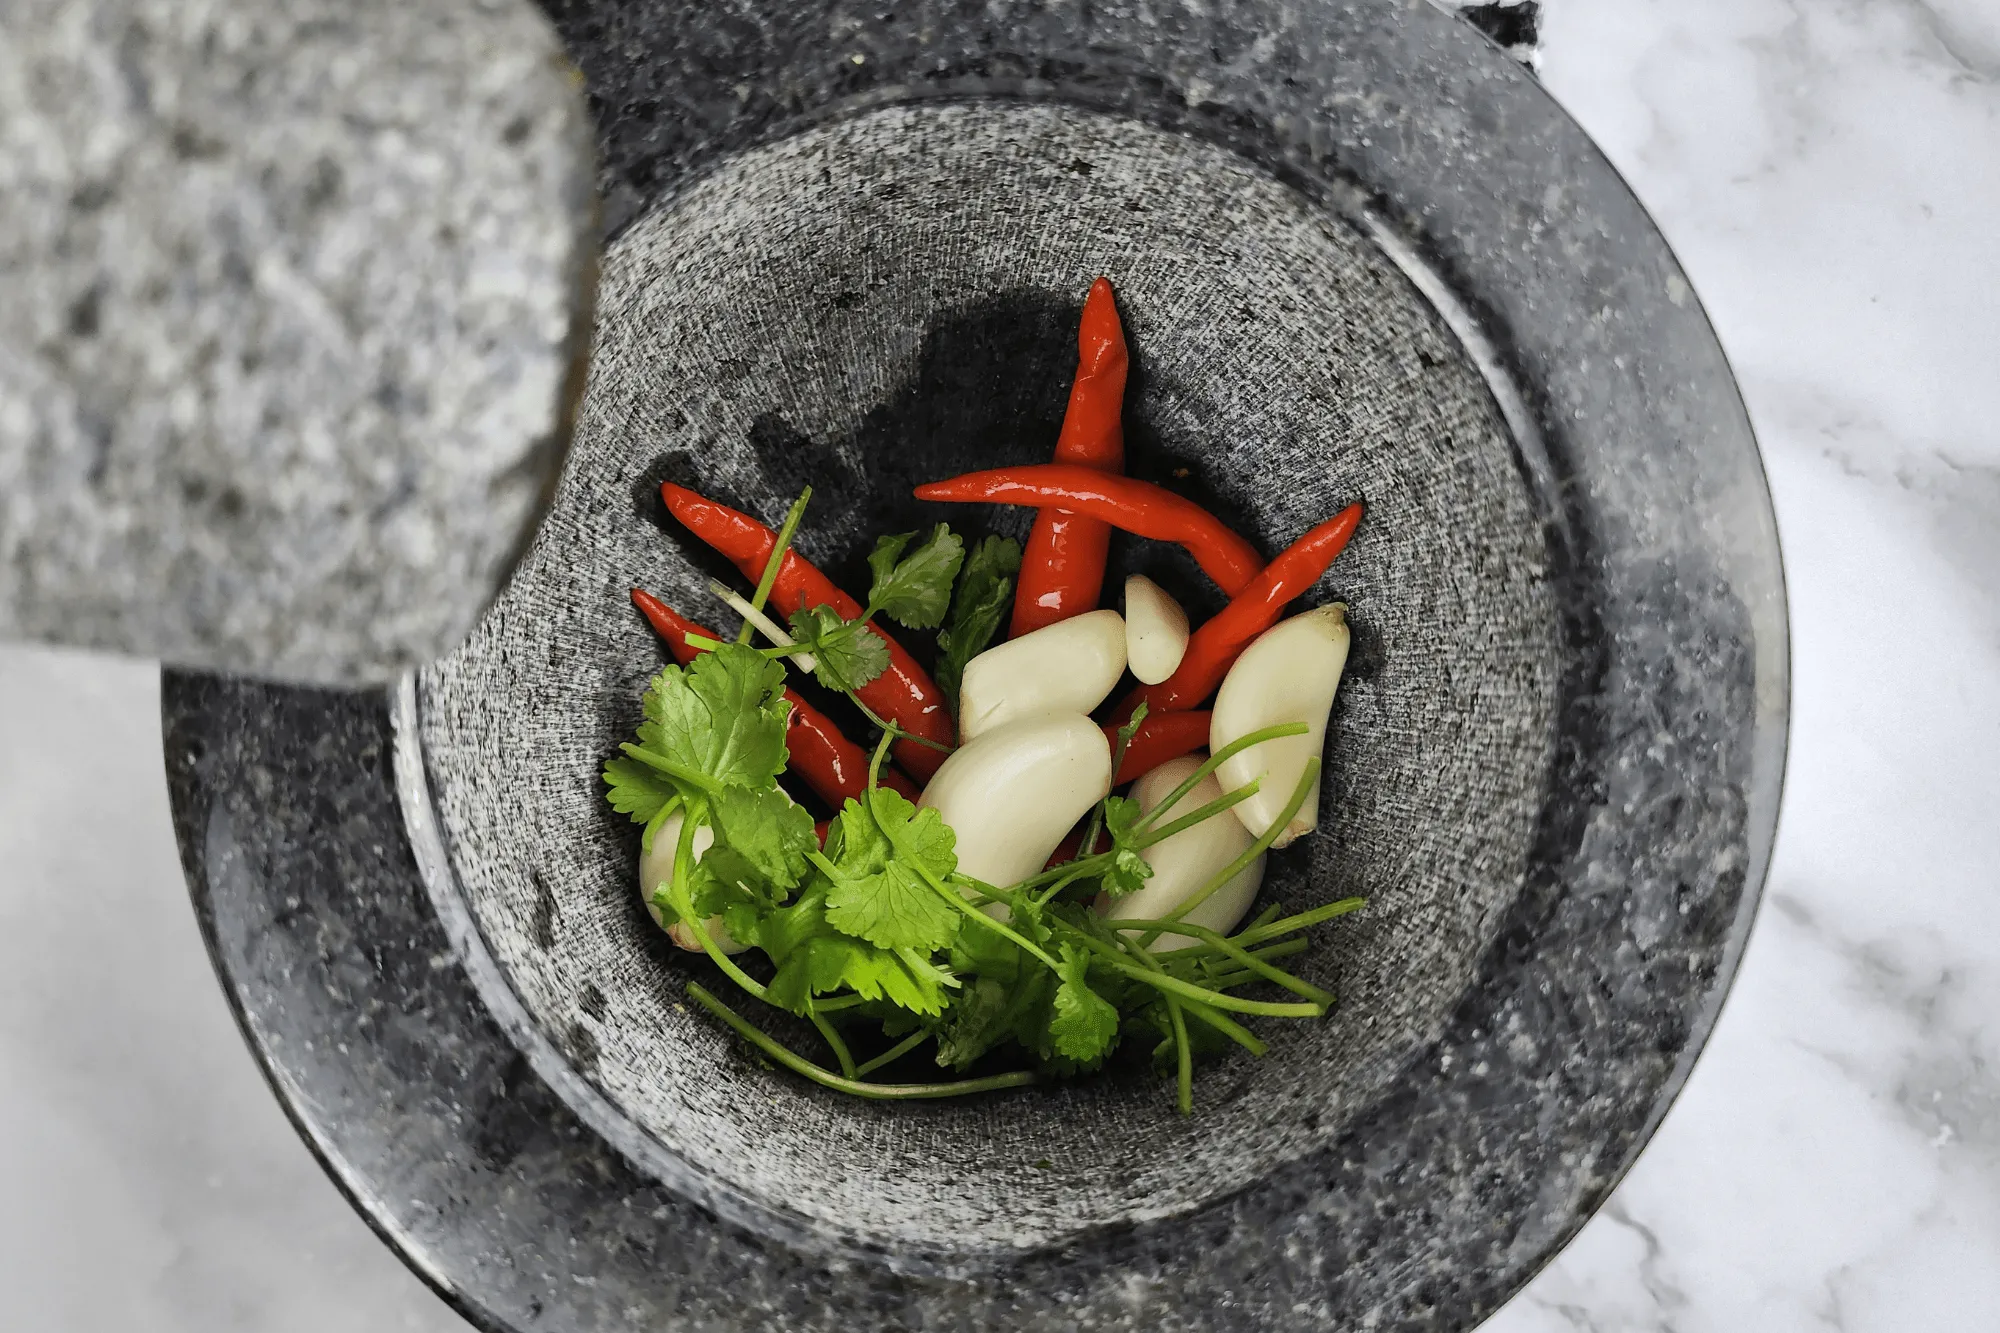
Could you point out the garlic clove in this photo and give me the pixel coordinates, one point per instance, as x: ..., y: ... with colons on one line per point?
x: 1011, y: 794
x: 1069, y: 666
x: 1187, y: 861
x: 1156, y: 630
x: 1288, y: 674
x: 657, y: 867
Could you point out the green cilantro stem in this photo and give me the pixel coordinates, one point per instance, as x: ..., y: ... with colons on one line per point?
x: 778, y: 548
x: 683, y: 906
x: 1186, y: 989
x: 1244, y: 958
x: 1220, y: 757
x: 700, y: 781
x: 826, y: 1078
x: 658, y: 821
x: 1229, y: 1028
x: 1096, y: 825
x: 1200, y: 956
x: 1209, y: 811
x: 1183, y: 1057
x: 958, y: 901
x: 1062, y: 883
x: 1176, y: 1019
x: 896, y: 733
x: 894, y: 1053
x: 875, y: 766
x: 840, y: 1051
x: 1088, y: 865
x: 1303, y: 921
x: 1237, y: 976
x: 1265, y: 917
x: 771, y: 629
x: 1256, y: 849
x: 1216, y: 999
x: 919, y: 962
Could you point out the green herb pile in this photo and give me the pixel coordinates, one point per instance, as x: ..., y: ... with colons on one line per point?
x: 876, y: 939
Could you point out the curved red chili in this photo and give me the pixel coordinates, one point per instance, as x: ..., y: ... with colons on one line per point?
x: 1214, y: 648
x: 832, y: 765
x: 1124, y: 502
x: 1062, y: 565
x: 905, y: 693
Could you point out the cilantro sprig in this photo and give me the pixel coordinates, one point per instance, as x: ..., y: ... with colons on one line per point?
x: 911, y: 587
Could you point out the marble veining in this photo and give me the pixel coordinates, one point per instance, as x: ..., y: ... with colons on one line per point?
x: 1827, y: 173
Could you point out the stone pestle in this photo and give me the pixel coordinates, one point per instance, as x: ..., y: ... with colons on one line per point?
x: 294, y: 303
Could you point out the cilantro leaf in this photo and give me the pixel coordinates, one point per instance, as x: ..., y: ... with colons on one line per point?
x: 988, y: 953
x: 1121, y: 817
x: 882, y: 560
x: 1083, y: 1025
x: 893, y: 908
x: 881, y: 896
x: 826, y: 963
x: 814, y: 959
x: 1127, y: 873
x: 850, y: 654
x: 977, y: 1021
x: 721, y: 718
x: 922, y: 834
x: 915, y: 589
x: 636, y: 790
x: 767, y: 831
x: 785, y: 931
x: 740, y: 921
x: 721, y: 881
x: 1129, y: 870
x: 985, y: 592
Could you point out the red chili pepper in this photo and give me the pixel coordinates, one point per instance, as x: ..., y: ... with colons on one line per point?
x: 1214, y: 648
x: 1162, y: 736
x: 1123, y: 502
x: 1062, y: 566
x: 1067, y: 849
x: 832, y: 765
x: 905, y: 693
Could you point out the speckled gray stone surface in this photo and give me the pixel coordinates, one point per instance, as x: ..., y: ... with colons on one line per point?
x: 1595, y: 985
x: 292, y: 298
x: 890, y: 300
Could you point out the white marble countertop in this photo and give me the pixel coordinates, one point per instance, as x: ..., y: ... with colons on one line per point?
x: 1829, y: 172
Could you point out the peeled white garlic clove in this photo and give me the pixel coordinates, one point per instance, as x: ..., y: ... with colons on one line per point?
x: 1069, y: 666
x: 1156, y: 630
x: 1011, y: 794
x: 1185, y: 862
x: 1289, y: 674
x: 657, y: 867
